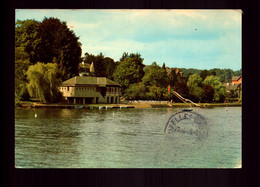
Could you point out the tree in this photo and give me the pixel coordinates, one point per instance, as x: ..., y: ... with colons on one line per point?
x: 110, y: 66
x: 220, y: 90
x: 99, y: 66
x: 195, y: 86
x: 27, y: 36
x: 228, y: 76
x: 163, y: 66
x: 213, y: 73
x: 59, y: 42
x: 22, y: 63
x: 129, y: 71
x: 43, y: 82
x: 89, y: 58
x: 194, y: 81
x: 208, y: 93
x: 136, y: 91
x: 155, y: 76
x: 50, y: 41
x: 172, y: 78
x: 124, y: 56
x: 104, y: 66
x: 182, y: 89
x: 156, y: 92
x: 204, y: 74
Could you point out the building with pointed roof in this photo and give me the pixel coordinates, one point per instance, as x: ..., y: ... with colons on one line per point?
x: 91, y: 90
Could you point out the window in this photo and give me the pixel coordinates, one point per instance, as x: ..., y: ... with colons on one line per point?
x: 68, y: 88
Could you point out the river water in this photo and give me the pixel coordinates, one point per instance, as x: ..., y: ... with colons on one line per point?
x: 124, y: 138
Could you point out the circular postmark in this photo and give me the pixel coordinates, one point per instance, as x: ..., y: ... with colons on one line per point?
x: 187, y: 123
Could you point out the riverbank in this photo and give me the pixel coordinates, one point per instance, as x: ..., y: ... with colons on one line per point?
x: 137, y: 104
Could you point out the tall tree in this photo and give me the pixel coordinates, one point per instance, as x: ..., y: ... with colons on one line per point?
x: 195, y: 86
x: 99, y: 65
x: 155, y: 76
x: 58, y: 41
x: 228, y: 76
x: 50, y: 41
x: 110, y: 66
x: 27, y: 36
x: 129, y: 71
x: 172, y: 77
x: 163, y: 66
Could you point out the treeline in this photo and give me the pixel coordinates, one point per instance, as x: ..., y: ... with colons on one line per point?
x: 48, y: 52
x: 155, y: 83
x: 225, y: 75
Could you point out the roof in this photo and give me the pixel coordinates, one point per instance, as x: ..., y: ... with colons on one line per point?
x: 99, y: 81
x: 235, y: 78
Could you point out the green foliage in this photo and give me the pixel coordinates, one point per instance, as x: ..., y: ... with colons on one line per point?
x: 124, y: 56
x: 182, y: 89
x: 156, y: 92
x: 21, y: 65
x: 208, y: 93
x: 153, y: 85
x: 195, y: 86
x: 190, y: 71
x: 213, y: 81
x: 27, y: 36
x: 110, y: 66
x: 50, y: 41
x: 43, y: 82
x: 129, y: 71
x: 155, y: 76
x: 220, y: 90
x: 194, y: 81
x: 104, y: 66
x: 99, y: 66
x: 136, y: 91
x: 221, y: 73
x: 228, y: 76
x: 172, y: 78
x: 204, y: 74
x: 163, y: 66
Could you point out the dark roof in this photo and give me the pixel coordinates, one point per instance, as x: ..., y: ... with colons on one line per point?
x: 99, y: 81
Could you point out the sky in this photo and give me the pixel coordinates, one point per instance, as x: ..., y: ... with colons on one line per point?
x: 201, y: 39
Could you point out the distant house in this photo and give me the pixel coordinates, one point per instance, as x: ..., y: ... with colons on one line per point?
x: 236, y: 80
x: 90, y: 90
x: 235, y: 86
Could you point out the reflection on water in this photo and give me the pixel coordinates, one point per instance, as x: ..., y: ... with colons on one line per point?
x: 123, y: 138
